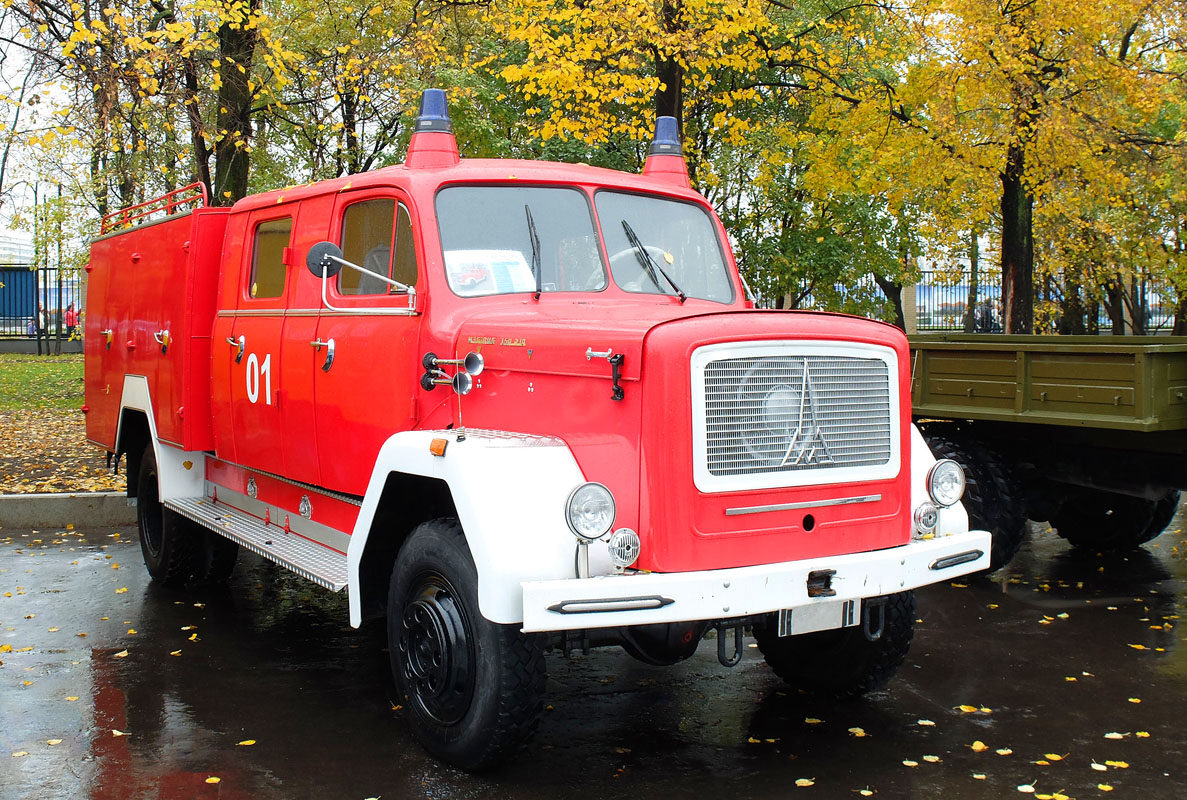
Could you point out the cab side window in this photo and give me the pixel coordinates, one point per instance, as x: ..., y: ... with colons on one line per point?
x: 267, y: 258
x: 367, y: 240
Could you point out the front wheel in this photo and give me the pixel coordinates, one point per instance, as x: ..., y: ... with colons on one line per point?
x: 473, y: 687
x: 842, y: 663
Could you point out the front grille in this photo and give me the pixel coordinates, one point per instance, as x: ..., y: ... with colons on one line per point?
x: 788, y: 413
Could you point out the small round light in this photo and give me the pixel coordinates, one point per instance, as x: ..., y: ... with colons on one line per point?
x: 945, y: 483
x: 927, y: 517
x: 624, y: 547
x: 590, y: 511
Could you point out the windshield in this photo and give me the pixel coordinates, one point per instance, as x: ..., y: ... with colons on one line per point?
x: 506, y: 239
x: 661, y: 246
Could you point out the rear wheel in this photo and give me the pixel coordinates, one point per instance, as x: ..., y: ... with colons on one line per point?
x: 842, y: 663
x: 473, y: 687
x: 1111, y: 521
x: 167, y: 543
x: 215, y: 558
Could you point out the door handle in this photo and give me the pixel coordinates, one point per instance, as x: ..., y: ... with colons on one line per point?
x: 162, y: 338
x: 241, y: 342
x: 318, y: 344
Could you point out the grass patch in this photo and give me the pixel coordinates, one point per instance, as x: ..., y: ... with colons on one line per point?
x: 40, y: 382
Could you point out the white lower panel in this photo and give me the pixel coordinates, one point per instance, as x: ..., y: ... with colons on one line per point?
x: 644, y: 598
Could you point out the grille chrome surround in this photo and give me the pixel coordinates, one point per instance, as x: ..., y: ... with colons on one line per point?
x: 778, y: 414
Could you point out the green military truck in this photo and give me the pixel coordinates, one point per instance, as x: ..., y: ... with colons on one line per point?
x: 1086, y: 432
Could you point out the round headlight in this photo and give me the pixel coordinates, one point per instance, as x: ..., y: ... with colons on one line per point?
x: 927, y: 517
x: 624, y: 547
x: 590, y: 511
x: 945, y: 483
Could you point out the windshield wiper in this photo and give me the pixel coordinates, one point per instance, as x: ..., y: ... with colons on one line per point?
x: 536, y: 266
x: 649, y: 264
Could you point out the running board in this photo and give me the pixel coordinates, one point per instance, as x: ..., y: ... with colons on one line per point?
x: 310, y: 560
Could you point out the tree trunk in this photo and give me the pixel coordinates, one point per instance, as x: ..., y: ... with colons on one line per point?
x: 970, y: 304
x: 232, y: 159
x: 894, y: 293
x: 1017, y: 245
x: 669, y: 96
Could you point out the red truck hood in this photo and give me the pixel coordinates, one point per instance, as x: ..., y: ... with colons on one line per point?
x: 552, y: 337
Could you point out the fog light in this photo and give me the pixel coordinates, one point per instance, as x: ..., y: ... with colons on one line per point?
x: 945, y: 483
x: 624, y: 547
x: 590, y: 511
x: 927, y: 517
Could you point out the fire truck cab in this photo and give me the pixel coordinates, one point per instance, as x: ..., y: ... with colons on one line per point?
x: 515, y: 406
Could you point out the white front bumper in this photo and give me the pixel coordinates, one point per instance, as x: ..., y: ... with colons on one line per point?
x: 645, y: 598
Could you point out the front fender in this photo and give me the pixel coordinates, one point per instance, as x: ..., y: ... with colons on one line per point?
x: 509, y: 491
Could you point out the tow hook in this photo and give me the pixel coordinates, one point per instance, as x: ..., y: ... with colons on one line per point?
x: 729, y: 660
x: 873, y: 618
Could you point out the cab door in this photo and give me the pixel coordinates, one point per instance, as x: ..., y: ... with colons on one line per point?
x: 254, y: 354
x: 368, y: 367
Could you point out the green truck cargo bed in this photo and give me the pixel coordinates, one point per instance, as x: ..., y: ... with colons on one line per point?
x: 1135, y: 383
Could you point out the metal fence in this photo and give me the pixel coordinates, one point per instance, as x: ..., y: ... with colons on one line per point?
x: 40, y: 301
x: 942, y: 304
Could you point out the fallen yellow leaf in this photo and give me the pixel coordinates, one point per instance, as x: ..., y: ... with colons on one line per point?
x: 20, y: 753
x: 213, y: 779
x: 1138, y: 646
x: 54, y: 630
x: 932, y: 759
x: 121, y: 654
x: 812, y: 721
x: 121, y: 590
x: 979, y: 746
x: 71, y: 699
x: 978, y: 776
x: 174, y: 652
x: 1115, y: 735
x: 1053, y: 757
x: 1027, y: 788
x: 927, y: 723
x: 5, y: 648
x: 1099, y: 767
x: 1142, y: 734
x: 1135, y: 699
x: 247, y: 742
x: 967, y: 709
x: 131, y: 631
x: 909, y: 763
x: 1104, y: 787
x: 115, y: 732
x: 52, y: 742
x: 1004, y: 751
x: 805, y: 782
x: 858, y: 732
x: 1118, y: 764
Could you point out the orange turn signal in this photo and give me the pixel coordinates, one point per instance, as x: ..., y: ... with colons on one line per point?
x: 437, y: 446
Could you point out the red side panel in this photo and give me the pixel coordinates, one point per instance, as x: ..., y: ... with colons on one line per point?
x: 153, y: 288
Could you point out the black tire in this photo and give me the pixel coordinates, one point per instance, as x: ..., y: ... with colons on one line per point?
x: 991, y: 496
x: 215, y: 559
x: 841, y: 663
x: 473, y: 687
x: 1164, y: 511
x: 167, y: 543
x: 1109, y: 521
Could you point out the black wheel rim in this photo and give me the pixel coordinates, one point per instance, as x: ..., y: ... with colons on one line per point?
x: 436, y: 653
x: 151, y: 517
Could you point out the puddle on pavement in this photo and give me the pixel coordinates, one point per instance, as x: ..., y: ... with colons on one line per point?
x: 1074, y: 661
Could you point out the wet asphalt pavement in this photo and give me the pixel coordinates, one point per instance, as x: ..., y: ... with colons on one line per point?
x: 1062, y: 673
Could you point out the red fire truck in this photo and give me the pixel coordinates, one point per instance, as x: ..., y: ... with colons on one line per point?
x: 514, y: 406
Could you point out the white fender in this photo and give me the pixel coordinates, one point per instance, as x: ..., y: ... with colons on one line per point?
x: 180, y: 473
x: 953, y: 519
x: 510, y: 492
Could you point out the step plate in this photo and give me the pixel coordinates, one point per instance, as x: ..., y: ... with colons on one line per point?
x: 308, y: 559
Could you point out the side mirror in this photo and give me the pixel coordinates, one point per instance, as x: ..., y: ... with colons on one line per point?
x: 322, y: 259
